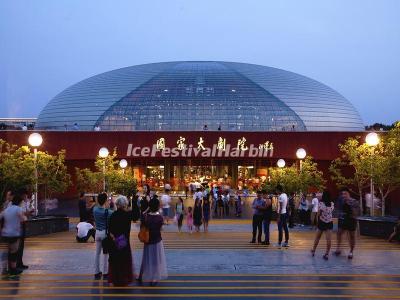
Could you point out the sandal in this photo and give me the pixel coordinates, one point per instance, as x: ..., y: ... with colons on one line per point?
x: 350, y: 256
x: 312, y: 252
x: 337, y: 252
x: 326, y: 257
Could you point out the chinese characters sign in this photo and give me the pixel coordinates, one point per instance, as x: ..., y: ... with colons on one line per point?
x: 219, y: 147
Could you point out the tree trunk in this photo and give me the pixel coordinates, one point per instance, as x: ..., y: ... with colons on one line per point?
x: 383, y: 197
x: 361, y: 202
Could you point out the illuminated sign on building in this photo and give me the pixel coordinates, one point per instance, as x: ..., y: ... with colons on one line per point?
x: 218, y: 148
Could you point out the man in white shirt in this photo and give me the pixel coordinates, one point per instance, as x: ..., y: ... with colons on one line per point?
x: 314, y: 211
x: 282, y: 217
x: 84, y: 231
x: 165, y: 202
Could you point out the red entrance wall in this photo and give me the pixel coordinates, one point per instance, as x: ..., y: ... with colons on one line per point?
x: 83, y: 146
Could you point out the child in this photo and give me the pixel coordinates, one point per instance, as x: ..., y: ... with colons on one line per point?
x: 189, y: 219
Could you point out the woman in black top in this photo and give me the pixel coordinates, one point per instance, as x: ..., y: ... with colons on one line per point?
x: 135, y: 209
x: 120, y: 261
x: 154, y: 265
x: 197, y: 214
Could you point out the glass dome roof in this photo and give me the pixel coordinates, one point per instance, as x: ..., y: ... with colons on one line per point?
x: 192, y: 95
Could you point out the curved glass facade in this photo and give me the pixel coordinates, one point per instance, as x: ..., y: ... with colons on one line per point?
x: 190, y: 95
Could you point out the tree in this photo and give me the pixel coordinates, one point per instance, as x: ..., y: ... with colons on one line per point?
x: 17, y: 166
x: 294, y: 180
x: 354, y: 158
x: 385, y: 161
x: 117, y: 180
x: 381, y: 162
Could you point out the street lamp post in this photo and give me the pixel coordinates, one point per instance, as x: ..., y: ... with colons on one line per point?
x: 103, y: 153
x: 281, y: 163
x: 301, y: 154
x: 123, y: 164
x: 35, y: 140
x: 372, y: 139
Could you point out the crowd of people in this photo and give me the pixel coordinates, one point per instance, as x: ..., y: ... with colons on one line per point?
x: 108, y: 223
x: 321, y: 218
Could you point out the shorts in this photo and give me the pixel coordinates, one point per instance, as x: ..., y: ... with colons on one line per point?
x: 165, y: 212
x: 325, y: 226
x: 346, y: 224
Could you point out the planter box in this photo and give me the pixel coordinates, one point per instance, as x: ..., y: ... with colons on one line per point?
x: 377, y: 226
x: 46, y: 224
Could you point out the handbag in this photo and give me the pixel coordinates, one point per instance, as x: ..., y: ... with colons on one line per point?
x: 144, y: 234
x: 107, y: 243
x: 121, y: 242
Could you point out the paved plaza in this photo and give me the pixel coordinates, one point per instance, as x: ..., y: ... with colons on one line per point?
x: 218, y: 264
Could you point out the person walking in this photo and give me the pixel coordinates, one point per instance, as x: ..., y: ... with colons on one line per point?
x: 347, y: 221
x: 165, y: 202
x: 179, y: 213
x: 325, y: 223
x: 314, y: 211
x: 11, y: 232
x: 154, y: 265
x: 121, y: 264
x: 197, y: 214
x: 282, y: 217
x: 101, y: 216
x: 258, y: 215
x: 267, y: 216
x: 189, y: 219
x: 206, y: 212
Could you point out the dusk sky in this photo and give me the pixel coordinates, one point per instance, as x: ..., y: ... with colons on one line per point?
x: 352, y: 46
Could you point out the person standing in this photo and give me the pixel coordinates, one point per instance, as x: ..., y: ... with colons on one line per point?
x: 325, y: 223
x: 165, y: 202
x: 179, y: 212
x: 197, y: 214
x: 8, y: 199
x: 11, y: 232
x: 135, y: 209
x: 28, y: 211
x: 198, y: 194
x: 154, y: 265
x: 258, y: 215
x: 206, y: 212
x: 347, y: 221
x: 292, y: 210
x: 220, y: 206
x: 121, y: 264
x: 282, y: 217
x: 238, y: 205
x: 101, y: 218
x: 225, y: 198
x: 144, y: 202
x: 83, y: 214
x: 314, y: 211
x: 303, y: 209
x: 267, y: 217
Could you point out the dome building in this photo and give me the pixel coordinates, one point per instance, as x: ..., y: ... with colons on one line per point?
x: 192, y: 95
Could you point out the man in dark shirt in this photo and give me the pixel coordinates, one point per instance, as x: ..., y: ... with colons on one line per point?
x: 258, y: 216
x: 82, y: 207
